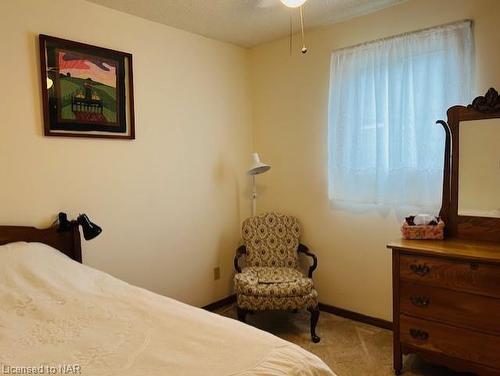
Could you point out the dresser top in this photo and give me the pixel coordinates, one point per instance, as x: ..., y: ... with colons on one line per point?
x: 461, y: 248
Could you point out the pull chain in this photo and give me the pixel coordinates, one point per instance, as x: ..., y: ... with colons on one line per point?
x: 304, y: 48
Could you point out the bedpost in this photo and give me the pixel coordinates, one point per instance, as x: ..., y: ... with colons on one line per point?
x: 77, y: 243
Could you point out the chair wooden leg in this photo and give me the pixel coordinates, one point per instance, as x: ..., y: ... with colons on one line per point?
x: 314, y: 321
x: 241, y: 313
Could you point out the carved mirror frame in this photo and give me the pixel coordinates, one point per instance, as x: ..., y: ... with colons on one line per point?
x: 459, y: 226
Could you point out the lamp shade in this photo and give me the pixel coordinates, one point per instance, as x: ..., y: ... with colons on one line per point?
x: 257, y: 166
x: 90, y: 230
x: 293, y: 3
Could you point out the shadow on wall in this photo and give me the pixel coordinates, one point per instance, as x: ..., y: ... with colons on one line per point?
x: 229, y: 239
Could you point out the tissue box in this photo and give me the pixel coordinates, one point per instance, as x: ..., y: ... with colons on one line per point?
x: 430, y: 232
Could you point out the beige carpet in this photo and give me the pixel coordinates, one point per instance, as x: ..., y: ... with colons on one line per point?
x: 350, y: 348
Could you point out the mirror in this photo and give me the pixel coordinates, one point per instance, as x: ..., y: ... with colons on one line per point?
x: 479, y: 168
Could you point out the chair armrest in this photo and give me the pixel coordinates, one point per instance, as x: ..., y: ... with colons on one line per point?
x: 240, y: 251
x: 303, y: 249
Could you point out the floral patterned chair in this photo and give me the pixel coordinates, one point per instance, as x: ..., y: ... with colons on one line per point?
x: 271, y: 279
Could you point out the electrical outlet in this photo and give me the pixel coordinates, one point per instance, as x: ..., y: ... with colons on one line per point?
x: 216, y: 273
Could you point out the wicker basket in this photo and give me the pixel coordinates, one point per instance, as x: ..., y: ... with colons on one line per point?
x: 429, y: 232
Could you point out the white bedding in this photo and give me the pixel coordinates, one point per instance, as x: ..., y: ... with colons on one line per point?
x: 56, y: 312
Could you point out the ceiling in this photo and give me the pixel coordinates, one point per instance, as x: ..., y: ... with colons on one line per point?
x: 245, y: 23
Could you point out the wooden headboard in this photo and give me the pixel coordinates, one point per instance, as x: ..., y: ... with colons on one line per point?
x: 68, y: 242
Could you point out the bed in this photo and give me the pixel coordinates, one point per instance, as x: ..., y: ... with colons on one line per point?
x: 57, y: 315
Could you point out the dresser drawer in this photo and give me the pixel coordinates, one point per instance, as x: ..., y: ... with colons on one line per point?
x: 453, y: 307
x: 455, y: 342
x: 472, y: 277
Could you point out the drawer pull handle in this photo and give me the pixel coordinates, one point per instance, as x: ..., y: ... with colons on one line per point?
x: 420, y: 269
x: 420, y: 301
x: 419, y: 334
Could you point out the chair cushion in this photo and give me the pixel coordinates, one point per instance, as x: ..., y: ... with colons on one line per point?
x: 264, y: 303
x: 267, y: 281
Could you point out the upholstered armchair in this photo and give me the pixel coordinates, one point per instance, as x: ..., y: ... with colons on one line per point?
x: 271, y: 278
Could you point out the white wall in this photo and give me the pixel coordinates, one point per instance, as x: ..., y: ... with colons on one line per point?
x: 170, y: 202
x: 290, y: 96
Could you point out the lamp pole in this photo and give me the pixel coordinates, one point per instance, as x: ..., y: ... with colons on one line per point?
x: 254, y: 196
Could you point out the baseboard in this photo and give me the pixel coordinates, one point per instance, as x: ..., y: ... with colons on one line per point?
x: 323, y: 307
x: 220, y: 303
x: 356, y: 316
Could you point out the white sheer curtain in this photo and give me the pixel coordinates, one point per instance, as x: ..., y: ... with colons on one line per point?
x: 385, y: 97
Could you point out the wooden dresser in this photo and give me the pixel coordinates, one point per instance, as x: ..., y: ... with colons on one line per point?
x: 447, y: 303
x: 446, y: 293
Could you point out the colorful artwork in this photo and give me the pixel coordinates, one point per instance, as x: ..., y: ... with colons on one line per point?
x: 86, y: 90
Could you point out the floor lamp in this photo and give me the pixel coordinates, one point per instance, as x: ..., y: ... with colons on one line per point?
x: 257, y: 168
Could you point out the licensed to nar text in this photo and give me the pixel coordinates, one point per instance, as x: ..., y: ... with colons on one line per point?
x: 61, y: 369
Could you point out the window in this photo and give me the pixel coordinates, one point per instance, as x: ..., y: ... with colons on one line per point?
x: 384, y: 147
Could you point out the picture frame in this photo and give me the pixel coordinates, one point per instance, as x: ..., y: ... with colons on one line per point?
x: 87, y: 91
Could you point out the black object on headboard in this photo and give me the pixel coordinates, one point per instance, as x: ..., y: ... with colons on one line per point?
x: 90, y: 229
x: 67, y: 241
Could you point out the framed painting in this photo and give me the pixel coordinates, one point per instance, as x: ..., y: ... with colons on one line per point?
x: 87, y: 91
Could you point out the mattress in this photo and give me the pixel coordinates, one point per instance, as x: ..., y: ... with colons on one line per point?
x: 57, y: 315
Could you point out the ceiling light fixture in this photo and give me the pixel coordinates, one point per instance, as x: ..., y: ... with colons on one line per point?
x: 293, y: 3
